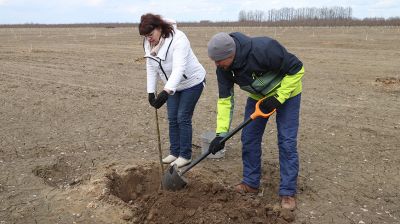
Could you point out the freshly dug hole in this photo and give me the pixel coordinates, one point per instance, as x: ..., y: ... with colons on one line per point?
x: 201, y: 201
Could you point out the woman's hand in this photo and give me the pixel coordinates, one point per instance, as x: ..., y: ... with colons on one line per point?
x: 152, y: 98
x: 160, y: 100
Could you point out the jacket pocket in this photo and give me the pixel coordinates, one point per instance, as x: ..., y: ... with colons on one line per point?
x: 263, y: 83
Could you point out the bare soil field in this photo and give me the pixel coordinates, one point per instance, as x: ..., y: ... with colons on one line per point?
x: 78, y: 140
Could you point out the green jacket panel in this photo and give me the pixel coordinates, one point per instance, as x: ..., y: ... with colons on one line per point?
x: 289, y: 87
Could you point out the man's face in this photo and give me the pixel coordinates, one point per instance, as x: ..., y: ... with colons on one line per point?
x: 225, y: 63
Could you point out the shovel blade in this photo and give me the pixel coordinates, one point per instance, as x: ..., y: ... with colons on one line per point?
x: 172, y: 180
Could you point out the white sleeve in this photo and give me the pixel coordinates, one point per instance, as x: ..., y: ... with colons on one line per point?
x: 179, y: 59
x: 151, y: 77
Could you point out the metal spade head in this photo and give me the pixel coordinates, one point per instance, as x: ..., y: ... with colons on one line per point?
x: 172, y: 180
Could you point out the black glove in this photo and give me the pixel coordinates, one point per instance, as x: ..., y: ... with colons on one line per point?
x: 152, y: 98
x: 269, y: 104
x: 216, y: 145
x: 161, y: 99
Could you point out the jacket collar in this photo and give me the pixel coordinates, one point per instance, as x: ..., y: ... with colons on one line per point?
x: 162, y: 53
x: 243, y: 48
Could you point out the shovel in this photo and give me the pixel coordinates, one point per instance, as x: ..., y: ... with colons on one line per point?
x: 159, y: 147
x: 173, y: 179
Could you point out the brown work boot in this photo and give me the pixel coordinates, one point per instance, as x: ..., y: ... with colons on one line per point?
x: 288, y: 202
x: 245, y: 189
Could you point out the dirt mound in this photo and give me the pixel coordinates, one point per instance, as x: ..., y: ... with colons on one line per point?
x: 389, y: 84
x: 140, y: 60
x: 388, y: 80
x: 199, y: 202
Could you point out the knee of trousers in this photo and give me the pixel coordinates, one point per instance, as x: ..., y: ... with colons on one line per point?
x: 184, y: 118
x: 288, y: 145
x: 251, y: 140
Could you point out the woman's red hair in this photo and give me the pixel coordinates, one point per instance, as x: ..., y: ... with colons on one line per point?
x: 149, y: 22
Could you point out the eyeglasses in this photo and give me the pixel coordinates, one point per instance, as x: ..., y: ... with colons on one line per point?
x: 149, y: 35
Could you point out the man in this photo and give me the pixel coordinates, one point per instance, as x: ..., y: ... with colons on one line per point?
x: 264, y: 68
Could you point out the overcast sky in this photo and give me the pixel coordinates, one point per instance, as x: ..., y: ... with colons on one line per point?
x: 95, y: 11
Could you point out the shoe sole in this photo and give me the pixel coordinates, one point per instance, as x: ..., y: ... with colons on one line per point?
x: 184, y: 165
x: 245, y: 190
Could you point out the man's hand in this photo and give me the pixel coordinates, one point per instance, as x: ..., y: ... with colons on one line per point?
x: 269, y: 104
x: 152, y: 98
x: 216, y: 145
x: 161, y: 99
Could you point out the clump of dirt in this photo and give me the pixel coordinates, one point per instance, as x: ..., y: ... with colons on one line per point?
x: 389, y: 84
x: 62, y: 174
x: 388, y: 80
x: 140, y: 60
x: 200, y: 202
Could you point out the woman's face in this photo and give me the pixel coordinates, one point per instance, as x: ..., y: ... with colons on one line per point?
x: 154, y: 36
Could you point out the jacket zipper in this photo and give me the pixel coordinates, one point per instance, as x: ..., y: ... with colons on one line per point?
x: 166, y: 54
x: 250, y: 84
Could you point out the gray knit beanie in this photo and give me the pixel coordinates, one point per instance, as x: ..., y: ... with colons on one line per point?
x: 221, y: 46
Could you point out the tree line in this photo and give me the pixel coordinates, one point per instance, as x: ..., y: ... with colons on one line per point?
x: 293, y: 14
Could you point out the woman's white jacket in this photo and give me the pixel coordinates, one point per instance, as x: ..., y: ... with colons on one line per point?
x: 175, y: 63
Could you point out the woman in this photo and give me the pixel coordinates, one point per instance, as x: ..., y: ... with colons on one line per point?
x: 170, y: 58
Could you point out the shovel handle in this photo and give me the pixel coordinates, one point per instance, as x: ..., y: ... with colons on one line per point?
x: 257, y: 113
x: 195, y: 162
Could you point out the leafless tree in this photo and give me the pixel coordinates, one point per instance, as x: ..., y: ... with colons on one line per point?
x: 292, y: 14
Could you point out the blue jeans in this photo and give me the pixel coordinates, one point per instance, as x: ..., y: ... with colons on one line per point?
x: 180, y: 108
x: 287, y: 120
